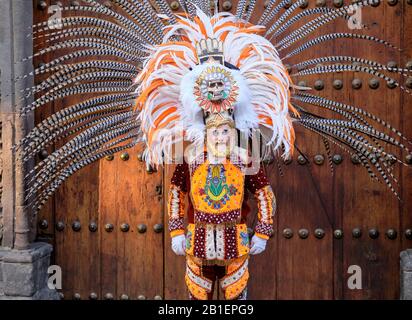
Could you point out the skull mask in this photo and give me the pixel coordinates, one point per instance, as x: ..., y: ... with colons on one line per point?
x: 215, y: 90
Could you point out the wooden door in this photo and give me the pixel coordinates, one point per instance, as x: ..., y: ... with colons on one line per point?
x: 107, y: 223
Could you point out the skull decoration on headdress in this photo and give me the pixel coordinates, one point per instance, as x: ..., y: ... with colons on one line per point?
x: 215, y: 89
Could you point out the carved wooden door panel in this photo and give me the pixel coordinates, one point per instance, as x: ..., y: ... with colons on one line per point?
x: 108, y: 222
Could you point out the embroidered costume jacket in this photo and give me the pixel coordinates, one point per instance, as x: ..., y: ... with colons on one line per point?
x: 217, y: 209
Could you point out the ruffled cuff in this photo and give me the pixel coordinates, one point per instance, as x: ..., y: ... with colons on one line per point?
x: 263, y: 230
x: 176, y: 227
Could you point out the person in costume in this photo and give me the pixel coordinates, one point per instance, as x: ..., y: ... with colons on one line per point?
x: 217, y: 240
x: 216, y: 179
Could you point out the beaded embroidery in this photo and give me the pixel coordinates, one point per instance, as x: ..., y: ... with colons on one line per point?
x: 217, y: 192
x: 217, y: 189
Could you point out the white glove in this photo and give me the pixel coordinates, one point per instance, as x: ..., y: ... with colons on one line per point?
x: 179, y: 244
x: 258, y: 245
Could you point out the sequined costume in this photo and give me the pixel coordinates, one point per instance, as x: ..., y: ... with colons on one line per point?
x: 217, y: 234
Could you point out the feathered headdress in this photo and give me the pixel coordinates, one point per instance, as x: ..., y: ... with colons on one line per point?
x: 173, y: 85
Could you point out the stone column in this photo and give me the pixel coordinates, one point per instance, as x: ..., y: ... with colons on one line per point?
x: 406, y: 274
x: 23, y: 264
x: 14, y: 46
x: 23, y: 273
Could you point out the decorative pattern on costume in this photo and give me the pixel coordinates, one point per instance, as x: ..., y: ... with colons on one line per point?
x: 266, y: 207
x: 233, y: 291
x: 265, y: 201
x: 235, y: 264
x: 195, y: 290
x: 176, y: 209
x: 210, y: 242
x: 216, y: 218
x: 197, y: 279
x: 264, y: 229
x: 200, y: 242
x: 180, y: 177
x: 235, y: 283
x: 217, y: 192
x: 242, y: 239
x: 234, y: 276
x: 189, y: 236
x: 217, y: 243
x: 193, y: 265
x: 176, y: 224
x: 217, y: 189
x: 231, y: 243
x: 220, y: 241
x: 190, y: 239
x: 257, y: 181
x: 198, y: 286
